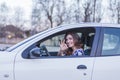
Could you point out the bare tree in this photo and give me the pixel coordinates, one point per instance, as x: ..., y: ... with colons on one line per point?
x: 92, y: 11
x: 60, y: 12
x: 55, y: 12
x: 48, y: 13
x: 3, y: 14
x: 87, y: 11
x: 73, y: 12
x: 77, y: 11
x: 48, y: 7
x: 18, y: 18
x: 42, y: 14
x: 36, y: 17
x: 118, y: 12
x: 97, y: 11
x: 114, y: 7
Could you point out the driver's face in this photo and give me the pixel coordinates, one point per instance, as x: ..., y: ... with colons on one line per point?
x: 69, y: 41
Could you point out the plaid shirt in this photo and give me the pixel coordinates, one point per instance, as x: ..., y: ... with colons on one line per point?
x: 78, y: 52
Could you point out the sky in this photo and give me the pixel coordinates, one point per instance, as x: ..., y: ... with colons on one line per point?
x: 24, y: 4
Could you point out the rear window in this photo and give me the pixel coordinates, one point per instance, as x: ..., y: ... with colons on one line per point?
x: 111, y: 41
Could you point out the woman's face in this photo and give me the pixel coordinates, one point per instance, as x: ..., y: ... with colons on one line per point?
x: 69, y: 41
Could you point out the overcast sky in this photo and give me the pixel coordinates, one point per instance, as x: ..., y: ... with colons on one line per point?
x: 24, y: 4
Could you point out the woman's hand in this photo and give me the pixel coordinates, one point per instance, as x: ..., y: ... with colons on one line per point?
x: 63, y: 46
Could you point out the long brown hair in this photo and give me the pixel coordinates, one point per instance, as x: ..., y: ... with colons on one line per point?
x: 76, y: 39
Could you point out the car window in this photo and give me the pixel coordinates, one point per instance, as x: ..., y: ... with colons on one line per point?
x: 53, y: 44
x: 111, y: 41
x: 50, y: 46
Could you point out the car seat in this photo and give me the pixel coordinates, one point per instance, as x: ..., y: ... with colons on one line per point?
x: 89, y: 43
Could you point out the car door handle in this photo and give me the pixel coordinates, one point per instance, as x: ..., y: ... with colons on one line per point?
x: 81, y: 67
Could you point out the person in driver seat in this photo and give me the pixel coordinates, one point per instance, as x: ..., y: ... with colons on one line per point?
x: 71, y: 45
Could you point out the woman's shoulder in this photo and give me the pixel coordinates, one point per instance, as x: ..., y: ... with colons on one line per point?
x: 79, y: 52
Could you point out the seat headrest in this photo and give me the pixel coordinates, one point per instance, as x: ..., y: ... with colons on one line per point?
x: 90, y: 40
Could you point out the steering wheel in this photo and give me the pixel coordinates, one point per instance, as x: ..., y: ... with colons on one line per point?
x: 44, y: 51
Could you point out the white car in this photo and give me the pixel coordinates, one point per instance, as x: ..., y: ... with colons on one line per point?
x: 36, y: 57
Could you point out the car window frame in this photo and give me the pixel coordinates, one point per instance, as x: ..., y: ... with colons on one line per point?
x: 100, y: 45
x: 94, y: 46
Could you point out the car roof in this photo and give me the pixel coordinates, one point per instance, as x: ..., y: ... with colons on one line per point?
x: 91, y: 25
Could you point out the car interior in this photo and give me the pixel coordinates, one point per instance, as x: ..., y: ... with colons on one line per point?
x: 49, y: 46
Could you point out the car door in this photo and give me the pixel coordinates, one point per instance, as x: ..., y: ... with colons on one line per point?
x: 56, y: 67
x: 107, y: 62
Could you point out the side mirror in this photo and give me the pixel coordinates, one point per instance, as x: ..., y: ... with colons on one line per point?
x: 37, y: 52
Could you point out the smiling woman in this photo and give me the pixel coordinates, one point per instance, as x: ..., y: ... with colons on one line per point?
x: 71, y: 45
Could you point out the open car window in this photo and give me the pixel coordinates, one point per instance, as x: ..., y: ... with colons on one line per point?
x: 51, y: 42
